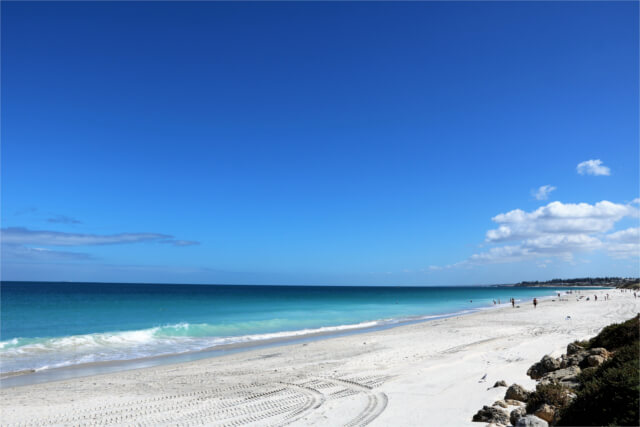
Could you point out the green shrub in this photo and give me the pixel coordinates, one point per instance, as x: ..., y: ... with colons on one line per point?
x: 617, y: 335
x: 610, y: 394
x: 552, y: 394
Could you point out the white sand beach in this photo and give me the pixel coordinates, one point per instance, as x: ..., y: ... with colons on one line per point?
x: 426, y: 374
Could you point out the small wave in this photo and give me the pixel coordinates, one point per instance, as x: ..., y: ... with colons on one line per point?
x: 38, y: 354
x: 47, y: 353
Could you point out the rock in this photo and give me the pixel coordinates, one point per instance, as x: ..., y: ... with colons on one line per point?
x: 500, y: 403
x: 595, y: 360
x: 512, y: 402
x: 567, y: 377
x: 517, y: 392
x: 531, y: 421
x: 516, y: 414
x: 501, y: 383
x: 574, y: 348
x: 573, y: 360
x: 600, y: 351
x: 491, y: 414
x: 546, y: 412
x: 569, y: 373
x: 546, y: 364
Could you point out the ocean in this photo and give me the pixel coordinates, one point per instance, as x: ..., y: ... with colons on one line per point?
x: 53, y: 325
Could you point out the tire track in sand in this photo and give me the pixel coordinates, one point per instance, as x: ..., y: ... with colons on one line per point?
x: 273, y: 404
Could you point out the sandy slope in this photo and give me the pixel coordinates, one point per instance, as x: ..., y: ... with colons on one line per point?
x: 426, y: 374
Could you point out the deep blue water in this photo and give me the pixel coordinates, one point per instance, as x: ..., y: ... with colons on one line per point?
x: 47, y: 325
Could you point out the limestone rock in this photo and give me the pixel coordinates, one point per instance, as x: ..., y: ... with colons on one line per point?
x: 600, y: 351
x: 516, y: 414
x: 512, y: 402
x: 595, y: 360
x: 501, y: 383
x: 500, y: 403
x: 546, y: 364
x: 567, y: 376
x: 575, y: 359
x: 517, y: 392
x: 574, y: 348
x: 531, y: 421
x: 546, y: 412
x: 491, y: 414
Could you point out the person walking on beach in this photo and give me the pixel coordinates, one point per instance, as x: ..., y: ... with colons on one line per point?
x: 595, y: 297
x: 513, y: 302
x: 535, y: 302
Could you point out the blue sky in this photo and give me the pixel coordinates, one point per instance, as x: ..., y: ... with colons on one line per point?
x: 319, y: 143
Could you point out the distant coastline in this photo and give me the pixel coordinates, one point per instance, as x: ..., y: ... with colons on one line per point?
x: 613, y: 282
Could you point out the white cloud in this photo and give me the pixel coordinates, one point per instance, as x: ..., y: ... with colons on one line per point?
x: 20, y: 243
x: 593, y: 167
x: 543, y: 192
x: 561, y: 245
x: 624, y: 243
x: 20, y: 252
x: 24, y: 236
x: 558, y: 218
x: 559, y: 230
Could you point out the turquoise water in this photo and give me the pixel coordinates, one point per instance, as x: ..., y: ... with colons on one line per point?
x: 49, y: 325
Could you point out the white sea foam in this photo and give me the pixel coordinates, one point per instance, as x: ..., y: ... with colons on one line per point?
x: 48, y: 353
x: 32, y: 353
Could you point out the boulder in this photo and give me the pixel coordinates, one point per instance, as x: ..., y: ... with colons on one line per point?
x: 512, y: 402
x: 516, y: 414
x: 500, y: 403
x: 545, y: 412
x: 567, y: 376
x: 545, y: 365
x: 491, y: 414
x: 600, y: 351
x: 531, y: 421
x: 517, y: 392
x: 574, y: 359
x: 501, y: 383
x: 595, y: 360
x: 574, y: 348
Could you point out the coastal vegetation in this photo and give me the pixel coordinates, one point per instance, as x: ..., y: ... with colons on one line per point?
x: 596, y: 383
x: 609, y: 394
x: 617, y: 282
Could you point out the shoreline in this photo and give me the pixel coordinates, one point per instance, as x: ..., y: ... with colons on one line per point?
x: 427, y: 373
x: 28, y: 376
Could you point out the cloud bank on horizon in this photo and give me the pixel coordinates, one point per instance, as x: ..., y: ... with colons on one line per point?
x: 559, y: 230
x: 21, y: 242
